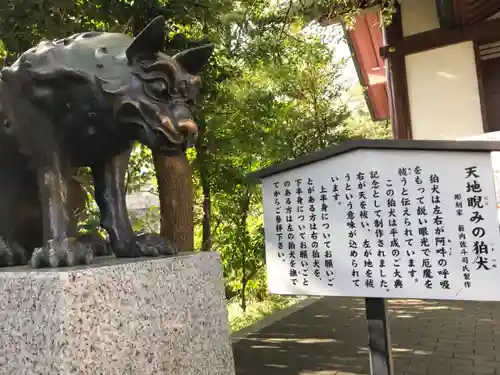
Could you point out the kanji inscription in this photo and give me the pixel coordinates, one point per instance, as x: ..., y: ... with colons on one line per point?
x: 384, y: 223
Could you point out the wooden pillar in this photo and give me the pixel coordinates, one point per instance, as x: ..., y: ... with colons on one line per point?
x: 396, y: 80
x: 175, y: 187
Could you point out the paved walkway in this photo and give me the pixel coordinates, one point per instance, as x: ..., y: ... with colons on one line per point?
x: 329, y: 337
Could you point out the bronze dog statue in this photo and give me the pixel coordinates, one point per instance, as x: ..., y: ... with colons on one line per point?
x: 83, y: 101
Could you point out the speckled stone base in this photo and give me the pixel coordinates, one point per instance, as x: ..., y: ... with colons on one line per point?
x: 125, y: 317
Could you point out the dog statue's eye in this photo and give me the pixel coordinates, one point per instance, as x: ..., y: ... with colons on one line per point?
x: 159, y: 88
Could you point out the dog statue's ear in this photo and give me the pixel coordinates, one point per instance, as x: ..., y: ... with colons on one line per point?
x: 194, y: 59
x: 149, y: 41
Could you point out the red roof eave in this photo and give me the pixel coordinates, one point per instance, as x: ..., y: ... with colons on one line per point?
x: 365, y: 40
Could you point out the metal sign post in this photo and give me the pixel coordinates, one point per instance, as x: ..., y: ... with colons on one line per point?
x: 379, y: 338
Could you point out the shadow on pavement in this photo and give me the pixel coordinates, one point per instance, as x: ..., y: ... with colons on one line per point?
x: 330, y: 337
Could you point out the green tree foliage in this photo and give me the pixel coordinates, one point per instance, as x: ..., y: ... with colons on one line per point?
x: 270, y: 93
x: 324, y: 10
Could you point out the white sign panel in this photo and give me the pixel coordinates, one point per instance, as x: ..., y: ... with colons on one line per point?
x: 384, y: 223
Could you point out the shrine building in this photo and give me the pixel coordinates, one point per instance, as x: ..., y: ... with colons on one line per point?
x: 435, y: 70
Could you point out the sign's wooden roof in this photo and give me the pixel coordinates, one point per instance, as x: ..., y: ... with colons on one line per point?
x: 377, y: 144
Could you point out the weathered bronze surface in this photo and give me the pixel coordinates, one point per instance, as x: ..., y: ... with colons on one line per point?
x: 84, y: 101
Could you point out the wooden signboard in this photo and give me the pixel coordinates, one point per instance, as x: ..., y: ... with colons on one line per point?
x: 384, y: 219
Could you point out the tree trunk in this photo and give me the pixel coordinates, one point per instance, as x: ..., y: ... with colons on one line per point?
x: 202, y: 163
x: 207, y: 215
x: 175, y: 187
x: 245, y: 205
x: 244, y: 283
x: 78, y: 199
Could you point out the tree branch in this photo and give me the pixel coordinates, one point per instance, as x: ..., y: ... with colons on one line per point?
x: 285, y: 19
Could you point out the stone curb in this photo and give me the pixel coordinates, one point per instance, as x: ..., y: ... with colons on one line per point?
x: 271, y: 319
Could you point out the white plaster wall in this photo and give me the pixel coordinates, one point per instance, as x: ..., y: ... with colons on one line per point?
x: 443, y: 93
x: 418, y: 16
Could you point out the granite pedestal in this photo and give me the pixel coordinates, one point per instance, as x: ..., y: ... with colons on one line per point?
x: 146, y: 316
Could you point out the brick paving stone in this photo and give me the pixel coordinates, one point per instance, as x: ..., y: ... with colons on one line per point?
x: 329, y: 337
x: 474, y: 369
